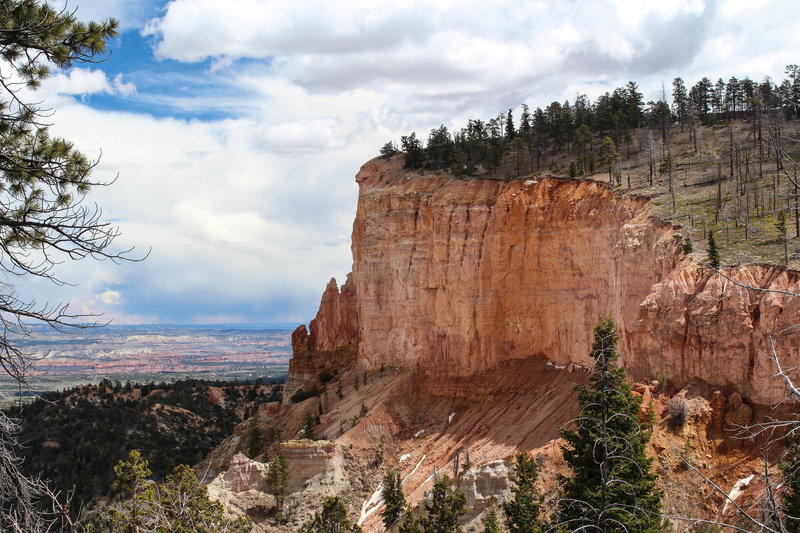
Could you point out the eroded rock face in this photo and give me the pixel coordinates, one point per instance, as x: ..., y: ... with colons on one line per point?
x: 455, y: 276
x: 479, y: 484
x: 243, y: 474
x: 336, y: 324
x: 308, y: 459
x: 710, y: 326
x: 332, y: 342
x: 242, y: 488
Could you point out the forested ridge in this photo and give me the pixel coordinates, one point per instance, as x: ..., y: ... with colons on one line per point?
x: 717, y: 157
x: 75, y: 437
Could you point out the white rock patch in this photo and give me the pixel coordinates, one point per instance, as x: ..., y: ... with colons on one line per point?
x: 737, y: 489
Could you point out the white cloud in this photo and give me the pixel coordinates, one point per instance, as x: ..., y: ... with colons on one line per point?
x: 122, y: 87
x: 434, y: 61
x: 225, y: 219
x: 304, y: 135
x: 251, y: 215
x: 110, y: 297
x: 81, y: 82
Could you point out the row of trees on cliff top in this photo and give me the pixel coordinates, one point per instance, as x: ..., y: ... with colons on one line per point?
x: 577, y: 125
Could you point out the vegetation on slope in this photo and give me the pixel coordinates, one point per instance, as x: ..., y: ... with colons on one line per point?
x: 74, y: 438
x: 181, y: 503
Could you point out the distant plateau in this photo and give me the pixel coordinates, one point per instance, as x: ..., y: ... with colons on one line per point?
x: 152, y: 353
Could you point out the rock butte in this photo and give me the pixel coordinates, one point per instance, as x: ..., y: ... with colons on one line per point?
x: 452, y: 277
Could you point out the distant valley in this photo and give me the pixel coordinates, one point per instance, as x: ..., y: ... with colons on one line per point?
x: 152, y: 353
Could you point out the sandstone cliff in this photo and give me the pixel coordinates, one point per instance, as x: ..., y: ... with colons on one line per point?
x: 456, y: 276
x: 452, y: 277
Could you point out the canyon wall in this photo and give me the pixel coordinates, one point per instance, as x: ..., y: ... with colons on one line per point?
x: 452, y: 277
x: 455, y: 276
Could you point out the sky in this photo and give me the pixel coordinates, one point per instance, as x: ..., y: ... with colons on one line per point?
x: 232, y: 131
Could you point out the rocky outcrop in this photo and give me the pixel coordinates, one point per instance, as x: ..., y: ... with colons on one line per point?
x: 244, y: 474
x: 479, y: 484
x: 242, y: 488
x: 332, y: 342
x: 312, y: 460
x: 721, y: 328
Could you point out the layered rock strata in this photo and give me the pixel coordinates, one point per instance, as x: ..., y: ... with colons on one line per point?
x: 455, y: 276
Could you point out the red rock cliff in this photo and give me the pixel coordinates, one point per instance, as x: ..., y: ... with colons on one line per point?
x: 455, y: 276
x: 452, y: 277
x: 721, y: 328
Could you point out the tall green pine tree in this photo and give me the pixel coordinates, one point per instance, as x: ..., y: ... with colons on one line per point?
x: 445, y: 508
x: 393, y: 498
x: 608, y: 155
x: 713, y: 251
x: 523, y: 511
x: 307, y: 432
x: 332, y: 519
x: 253, y: 438
x: 410, y: 523
x: 490, y: 522
x: 278, y: 478
x: 612, y: 487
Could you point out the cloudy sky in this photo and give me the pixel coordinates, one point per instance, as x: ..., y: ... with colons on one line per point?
x: 235, y: 129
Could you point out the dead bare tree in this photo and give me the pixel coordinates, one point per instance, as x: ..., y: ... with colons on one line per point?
x: 770, y: 516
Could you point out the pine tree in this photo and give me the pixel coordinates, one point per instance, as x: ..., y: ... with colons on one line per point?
x: 713, y: 251
x: 414, y: 152
x: 332, y: 519
x: 522, y: 511
x: 131, y: 477
x: 687, y: 245
x: 278, y: 478
x: 510, y: 132
x: 680, y: 100
x: 388, y: 150
x: 307, y: 432
x: 393, y: 498
x: 410, y: 523
x: 445, y: 508
x: 44, y: 182
x: 612, y: 487
x: 253, y: 438
x: 181, y: 504
x: 490, y: 522
x: 608, y: 154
